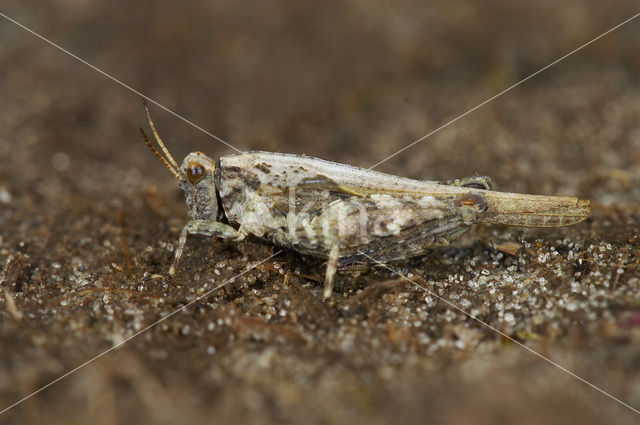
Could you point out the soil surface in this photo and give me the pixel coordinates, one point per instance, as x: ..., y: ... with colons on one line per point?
x: 89, y: 218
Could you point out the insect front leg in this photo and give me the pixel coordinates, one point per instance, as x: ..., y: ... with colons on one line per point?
x: 207, y: 228
x: 332, y: 266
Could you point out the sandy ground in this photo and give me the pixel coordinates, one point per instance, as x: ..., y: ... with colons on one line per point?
x: 88, y: 215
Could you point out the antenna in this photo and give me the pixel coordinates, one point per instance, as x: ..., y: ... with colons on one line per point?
x: 158, y: 155
x: 167, y: 159
x: 157, y: 136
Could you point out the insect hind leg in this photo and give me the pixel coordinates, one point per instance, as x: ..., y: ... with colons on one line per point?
x: 206, y: 228
x: 451, y: 235
x: 332, y: 266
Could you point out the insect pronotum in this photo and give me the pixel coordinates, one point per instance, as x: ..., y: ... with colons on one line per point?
x: 345, y: 214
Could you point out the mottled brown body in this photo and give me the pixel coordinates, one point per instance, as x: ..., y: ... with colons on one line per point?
x: 299, y: 202
x: 343, y: 213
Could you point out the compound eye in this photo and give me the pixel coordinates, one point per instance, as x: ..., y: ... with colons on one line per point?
x: 195, y: 172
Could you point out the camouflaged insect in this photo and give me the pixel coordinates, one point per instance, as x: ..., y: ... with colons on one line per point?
x: 345, y: 214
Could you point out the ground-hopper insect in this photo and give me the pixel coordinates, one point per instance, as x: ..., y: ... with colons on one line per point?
x: 345, y: 214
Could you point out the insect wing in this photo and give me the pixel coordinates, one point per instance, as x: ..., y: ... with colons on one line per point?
x: 518, y: 209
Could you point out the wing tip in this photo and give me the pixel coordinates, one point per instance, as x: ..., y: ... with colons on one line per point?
x: 553, y: 217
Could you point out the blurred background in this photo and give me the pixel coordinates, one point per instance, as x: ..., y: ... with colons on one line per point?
x: 347, y: 82
x: 351, y: 82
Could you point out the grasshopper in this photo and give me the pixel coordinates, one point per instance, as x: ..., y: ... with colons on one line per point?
x: 344, y: 214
